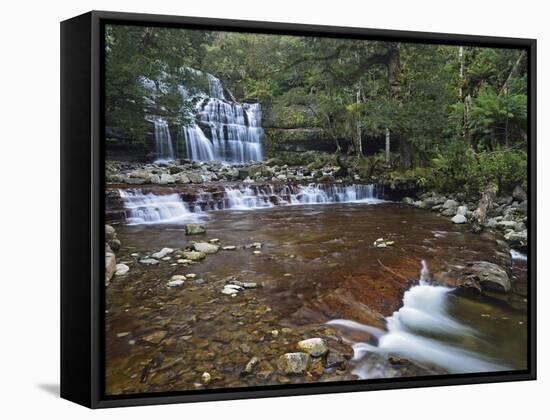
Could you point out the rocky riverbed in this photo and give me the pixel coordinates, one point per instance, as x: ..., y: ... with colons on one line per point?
x: 229, y: 301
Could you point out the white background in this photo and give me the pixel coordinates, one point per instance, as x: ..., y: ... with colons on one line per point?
x: 29, y: 279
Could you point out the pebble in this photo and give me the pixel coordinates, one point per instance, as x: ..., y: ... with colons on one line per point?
x: 206, y: 378
x: 229, y: 248
x: 162, y: 253
x: 148, y: 261
x: 121, y: 269
x: 191, y: 275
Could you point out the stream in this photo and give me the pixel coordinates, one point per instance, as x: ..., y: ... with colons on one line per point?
x: 318, y: 267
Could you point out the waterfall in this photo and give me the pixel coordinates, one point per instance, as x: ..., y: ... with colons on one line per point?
x: 197, y: 145
x: 424, y: 331
x: 151, y: 208
x: 169, y: 208
x: 163, y: 141
x: 235, y: 130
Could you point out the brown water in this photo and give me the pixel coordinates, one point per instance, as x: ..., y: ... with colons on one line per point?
x: 317, y: 263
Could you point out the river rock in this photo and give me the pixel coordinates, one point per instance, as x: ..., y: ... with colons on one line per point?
x: 206, y: 247
x: 408, y: 200
x: 182, y: 179
x: 449, y: 204
x: 167, y: 179
x: 314, y: 346
x: 249, y: 368
x: 148, y: 261
x: 121, y: 269
x: 194, y: 229
x: 518, y: 239
x: 488, y: 275
x: 162, y: 253
x: 229, y: 248
x: 294, y: 363
x: 459, y: 219
x: 462, y: 210
x: 110, y: 266
x: 519, y: 194
x: 195, y: 178
x: 194, y: 255
x: 114, y: 244
x: 109, y: 232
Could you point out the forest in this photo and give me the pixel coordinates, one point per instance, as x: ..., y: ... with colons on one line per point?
x: 445, y: 117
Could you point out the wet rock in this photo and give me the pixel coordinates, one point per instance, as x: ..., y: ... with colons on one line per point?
x: 162, y: 253
x: 176, y: 280
x: 335, y: 360
x: 148, y: 261
x: 488, y: 276
x: 182, y: 179
x: 314, y: 346
x: 194, y: 256
x: 249, y: 368
x: 255, y: 245
x: 167, y: 179
x: 114, y: 244
x: 519, y: 194
x: 229, y: 248
x: 206, y: 247
x: 194, y: 229
x: 195, y: 178
x: 381, y: 243
x: 408, y: 200
x: 121, y: 269
x: 459, y: 219
x: 294, y: 363
x: 399, y: 361
x: 249, y: 285
x: 517, y: 239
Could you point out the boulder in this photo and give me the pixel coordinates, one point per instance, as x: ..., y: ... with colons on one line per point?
x: 206, y: 247
x: 519, y: 194
x: 518, y: 239
x: 167, y: 179
x: 408, y: 200
x: 488, y: 276
x: 294, y: 363
x: 459, y: 219
x: 450, y: 204
x: 110, y: 266
x: 109, y: 232
x: 313, y: 346
x: 195, y: 178
x: 194, y: 229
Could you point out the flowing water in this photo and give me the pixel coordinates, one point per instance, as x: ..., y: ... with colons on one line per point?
x: 163, y: 141
x: 221, y: 129
x: 317, y: 264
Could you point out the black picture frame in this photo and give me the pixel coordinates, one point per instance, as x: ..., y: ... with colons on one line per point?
x: 82, y: 209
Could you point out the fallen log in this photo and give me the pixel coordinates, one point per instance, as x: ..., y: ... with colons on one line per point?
x: 485, y: 203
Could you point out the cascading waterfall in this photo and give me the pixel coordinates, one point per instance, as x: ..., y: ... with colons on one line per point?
x: 422, y: 330
x: 196, y: 143
x: 163, y: 141
x: 152, y: 209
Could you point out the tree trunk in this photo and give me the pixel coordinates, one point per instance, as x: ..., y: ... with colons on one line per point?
x: 387, y: 155
x: 480, y: 214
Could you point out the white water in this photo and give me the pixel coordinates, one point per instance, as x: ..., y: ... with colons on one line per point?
x: 163, y: 141
x: 197, y: 145
x: 420, y: 331
x: 152, y: 209
x: 516, y: 255
x: 234, y: 130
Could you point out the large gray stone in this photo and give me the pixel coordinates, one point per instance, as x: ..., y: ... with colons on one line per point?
x: 206, y: 247
x: 459, y: 219
x: 314, y: 346
x: 194, y: 229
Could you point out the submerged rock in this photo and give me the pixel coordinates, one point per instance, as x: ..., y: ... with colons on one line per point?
x: 194, y: 229
x: 249, y: 368
x: 314, y: 346
x: 206, y: 247
x: 162, y: 253
x: 194, y: 255
x: 294, y: 363
x: 148, y: 261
